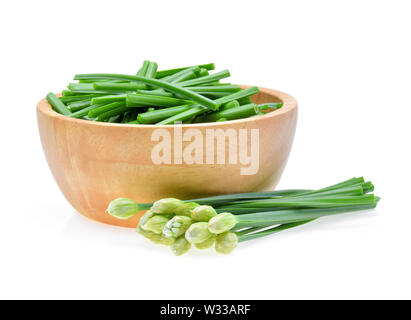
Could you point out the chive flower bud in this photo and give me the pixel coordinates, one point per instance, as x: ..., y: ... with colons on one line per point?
x: 198, y: 232
x: 180, y: 246
x: 145, y: 217
x: 122, y: 208
x: 203, y: 213
x: 166, y: 205
x: 155, y: 224
x: 154, y: 237
x: 186, y: 209
x: 226, y: 242
x: 206, y: 243
x: 222, y: 223
x: 177, y: 226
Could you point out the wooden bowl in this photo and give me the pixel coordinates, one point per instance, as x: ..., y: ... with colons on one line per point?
x: 96, y: 162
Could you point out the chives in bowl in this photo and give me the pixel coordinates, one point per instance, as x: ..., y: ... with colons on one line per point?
x: 187, y: 94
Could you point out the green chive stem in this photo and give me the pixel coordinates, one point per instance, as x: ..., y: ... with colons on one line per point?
x: 57, y: 104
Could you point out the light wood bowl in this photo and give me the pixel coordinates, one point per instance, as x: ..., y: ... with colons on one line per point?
x: 94, y: 162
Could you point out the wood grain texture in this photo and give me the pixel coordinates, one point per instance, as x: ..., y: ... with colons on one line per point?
x: 94, y: 163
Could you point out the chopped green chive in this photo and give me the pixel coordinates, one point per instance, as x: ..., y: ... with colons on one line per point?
x: 57, y: 105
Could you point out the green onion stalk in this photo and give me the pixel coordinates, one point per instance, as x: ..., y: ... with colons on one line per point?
x: 220, y: 201
x: 223, y: 221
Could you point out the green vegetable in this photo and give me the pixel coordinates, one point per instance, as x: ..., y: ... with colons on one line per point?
x: 155, y: 237
x: 141, y: 100
x: 66, y: 92
x: 216, y: 95
x: 156, y: 92
x: 222, y: 222
x: 157, y: 83
x: 196, y: 109
x: 203, y: 72
x: 211, y: 89
x: 245, y: 216
x: 88, y: 88
x: 203, y: 213
x: 156, y: 224
x: 261, y: 219
x: 81, y: 97
x: 113, y: 112
x: 122, y: 208
x: 184, y: 115
x: 198, y: 232
x: 177, y: 226
x: 115, y: 86
x: 104, y: 108
x: 168, y: 92
x: 314, y: 202
x: 98, y: 80
x: 109, y: 99
x: 206, y: 243
x: 145, y: 217
x: 166, y: 206
x: 223, y: 199
x: 151, y: 70
x: 206, y: 79
x: 83, y: 112
x: 79, y: 105
x: 233, y: 113
x: 169, y: 72
x: 115, y: 119
x: 186, y: 209
x: 143, y: 70
x: 244, y: 100
x: 230, y: 105
x: 183, y: 75
x: 226, y: 242
x: 57, y: 105
x: 270, y: 105
x: 180, y: 246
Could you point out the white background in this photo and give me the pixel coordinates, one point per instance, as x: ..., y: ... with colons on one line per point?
x: 346, y: 62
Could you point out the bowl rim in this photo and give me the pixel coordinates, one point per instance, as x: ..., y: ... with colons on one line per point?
x: 289, y: 104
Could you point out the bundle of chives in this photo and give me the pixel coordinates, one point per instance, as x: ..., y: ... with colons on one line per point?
x: 188, y: 95
x: 225, y: 220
